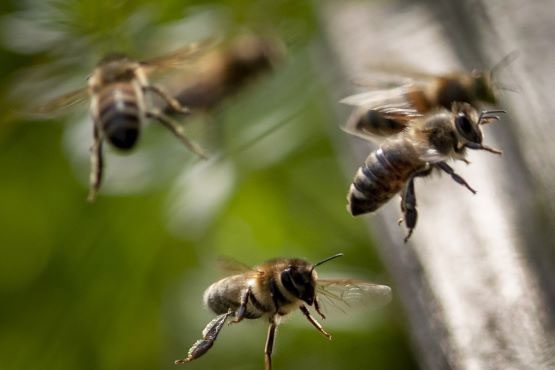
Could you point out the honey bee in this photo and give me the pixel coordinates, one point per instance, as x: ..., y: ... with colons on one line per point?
x: 226, y: 70
x: 274, y: 289
x: 421, y: 93
x: 426, y: 142
x: 119, y: 104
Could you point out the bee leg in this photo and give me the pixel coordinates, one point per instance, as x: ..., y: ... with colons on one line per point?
x: 448, y: 169
x: 240, y: 313
x: 317, y: 307
x: 313, y: 321
x: 209, y: 335
x: 269, y: 345
x: 477, y: 146
x: 408, y: 201
x: 176, y: 130
x: 273, y: 290
x: 172, y: 103
x: 97, y: 164
x: 408, y: 207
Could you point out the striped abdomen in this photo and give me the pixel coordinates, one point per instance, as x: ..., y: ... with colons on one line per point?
x: 226, y: 294
x: 119, y: 114
x: 383, y: 174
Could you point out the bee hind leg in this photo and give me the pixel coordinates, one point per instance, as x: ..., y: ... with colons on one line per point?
x: 449, y: 170
x: 173, y: 104
x: 408, y: 207
x: 176, y: 130
x: 242, y: 310
x: 209, y: 335
x: 97, y: 164
x: 313, y: 321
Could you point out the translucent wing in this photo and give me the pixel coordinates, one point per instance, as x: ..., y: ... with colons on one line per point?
x: 376, y: 123
x: 394, y: 97
x: 61, y: 102
x: 397, y: 72
x: 179, y: 57
x: 345, y: 294
x: 231, y: 265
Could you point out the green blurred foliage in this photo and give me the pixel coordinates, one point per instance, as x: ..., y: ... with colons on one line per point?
x: 118, y: 284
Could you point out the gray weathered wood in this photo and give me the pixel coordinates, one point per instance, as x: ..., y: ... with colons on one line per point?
x: 476, y: 279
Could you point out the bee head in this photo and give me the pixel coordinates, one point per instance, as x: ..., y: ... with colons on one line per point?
x: 115, y: 67
x: 467, y: 123
x: 300, y: 281
x: 299, y: 278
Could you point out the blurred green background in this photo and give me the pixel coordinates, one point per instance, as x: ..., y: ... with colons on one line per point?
x: 118, y: 284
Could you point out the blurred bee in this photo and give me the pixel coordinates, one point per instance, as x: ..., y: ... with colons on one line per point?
x: 226, y: 70
x: 422, y: 93
x: 424, y: 143
x: 118, y: 88
x: 274, y: 289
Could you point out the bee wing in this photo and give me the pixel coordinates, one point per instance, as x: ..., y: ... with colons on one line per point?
x: 398, y: 73
x: 231, y: 265
x: 61, y: 102
x: 345, y: 294
x: 377, y: 123
x: 179, y: 57
x: 393, y: 97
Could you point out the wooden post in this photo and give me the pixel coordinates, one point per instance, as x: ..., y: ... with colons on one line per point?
x: 477, y: 278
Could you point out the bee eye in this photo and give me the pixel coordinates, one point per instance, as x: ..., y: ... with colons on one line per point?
x: 297, y: 277
x: 465, y: 128
x: 463, y: 123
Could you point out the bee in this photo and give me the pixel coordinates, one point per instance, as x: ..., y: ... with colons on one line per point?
x: 275, y: 289
x: 421, y: 93
x: 226, y: 70
x: 119, y: 105
x: 426, y: 142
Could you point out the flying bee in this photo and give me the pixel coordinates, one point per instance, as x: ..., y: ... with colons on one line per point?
x: 228, y: 69
x: 119, y: 104
x: 274, y: 289
x: 421, y: 93
x: 425, y: 143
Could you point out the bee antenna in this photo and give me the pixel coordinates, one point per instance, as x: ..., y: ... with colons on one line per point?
x: 487, y: 115
x: 326, y: 260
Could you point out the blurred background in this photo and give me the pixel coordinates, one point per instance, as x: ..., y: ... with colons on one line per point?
x: 118, y: 283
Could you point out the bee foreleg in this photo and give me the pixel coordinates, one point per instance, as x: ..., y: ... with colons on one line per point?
x: 269, y: 345
x: 176, y: 130
x: 174, y: 104
x: 240, y: 313
x: 477, y: 146
x: 313, y: 321
x: 209, y: 334
x: 97, y: 164
x: 317, y: 307
x: 448, y: 169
